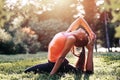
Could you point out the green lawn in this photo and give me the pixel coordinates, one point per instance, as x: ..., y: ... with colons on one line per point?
x: 106, y: 67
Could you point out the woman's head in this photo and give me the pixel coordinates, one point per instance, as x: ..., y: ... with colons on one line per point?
x: 81, y: 38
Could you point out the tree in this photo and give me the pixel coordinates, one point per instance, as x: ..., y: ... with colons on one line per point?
x: 41, y: 11
x: 114, y: 6
x: 4, y: 15
x: 46, y: 29
x: 4, y: 18
x: 62, y: 10
x: 90, y: 12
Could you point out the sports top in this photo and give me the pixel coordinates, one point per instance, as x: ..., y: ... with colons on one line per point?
x: 58, y: 42
x: 56, y: 46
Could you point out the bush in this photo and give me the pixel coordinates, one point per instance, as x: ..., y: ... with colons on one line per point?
x: 20, y: 42
x: 28, y: 42
x: 6, y: 45
x: 4, y: 36
x: 14, y: 40
x: 47, y: 29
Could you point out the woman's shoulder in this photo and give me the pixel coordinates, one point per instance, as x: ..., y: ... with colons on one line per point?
x: 71, y: 38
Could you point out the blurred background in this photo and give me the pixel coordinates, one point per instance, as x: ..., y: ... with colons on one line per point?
x: 27, y: 26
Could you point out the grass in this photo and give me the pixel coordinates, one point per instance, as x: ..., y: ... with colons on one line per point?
x: 106, y: 67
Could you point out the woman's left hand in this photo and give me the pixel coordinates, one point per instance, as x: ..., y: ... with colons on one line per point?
x: 92, y: 37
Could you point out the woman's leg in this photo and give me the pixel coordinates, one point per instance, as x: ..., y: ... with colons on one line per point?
x: 46, y: 67
x: 89, y: 63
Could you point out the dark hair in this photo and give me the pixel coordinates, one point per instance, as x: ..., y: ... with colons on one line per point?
x: 81, y: 39
x: 81, y: 59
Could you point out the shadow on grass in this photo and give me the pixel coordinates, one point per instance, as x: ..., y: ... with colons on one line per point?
x: 79, y: 76
x: 86, y: 76
x: 46, y: 76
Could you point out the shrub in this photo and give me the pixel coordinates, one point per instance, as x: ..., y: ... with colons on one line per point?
x: 47, y: 29
x: 28, y: 42
x: 20, y: 42
x: 6, y: 45
x: 4, y: 36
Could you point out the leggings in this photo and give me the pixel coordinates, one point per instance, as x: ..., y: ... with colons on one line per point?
x: 47, y: 67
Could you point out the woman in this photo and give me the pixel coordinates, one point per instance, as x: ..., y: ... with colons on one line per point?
x: 81, y: 22
x: 59, y: 47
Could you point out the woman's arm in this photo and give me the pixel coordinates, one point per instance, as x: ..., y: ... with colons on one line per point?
x: 89, y: 63
x: 80, y: 21
x: 69, y: 43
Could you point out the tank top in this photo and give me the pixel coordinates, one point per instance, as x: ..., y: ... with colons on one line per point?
x: 56, y: 46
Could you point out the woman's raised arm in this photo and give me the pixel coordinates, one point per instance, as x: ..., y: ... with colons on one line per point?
x: 80, y: 21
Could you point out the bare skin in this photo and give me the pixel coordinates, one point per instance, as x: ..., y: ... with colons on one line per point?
x: 88, y: 64
x: 68, y: 45
x: 80, y: 21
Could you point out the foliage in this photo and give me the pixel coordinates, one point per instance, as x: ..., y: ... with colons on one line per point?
x: 21, y: 41
x: 6, y: 44
x: 11, y: 33
x: 28, y: 42
x: 4, y: 36
x: 28, y: 9
x: 25, y: 12
x: 47, y: 29
x: 7, y: 48
x: 17, y: 41
x: 117, y: 29
x: 108, y: 21
x: 114, y: 6
x: 12, y: 67
x: 4, y: 14
x: 91, y: 11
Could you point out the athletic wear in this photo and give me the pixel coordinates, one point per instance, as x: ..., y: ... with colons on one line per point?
x: 47, y: 67
x: 56, y: 46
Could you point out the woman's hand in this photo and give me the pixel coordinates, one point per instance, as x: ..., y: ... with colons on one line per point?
x: 92, y: 37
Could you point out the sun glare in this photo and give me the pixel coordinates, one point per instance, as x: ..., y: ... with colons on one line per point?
x: 11, y: 3
x: 24, y: 2
x: 99, y: 2
x: 80, y: 10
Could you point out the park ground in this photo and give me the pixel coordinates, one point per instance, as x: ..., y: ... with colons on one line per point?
x: 106, y: 67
